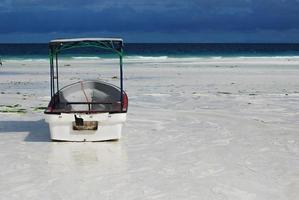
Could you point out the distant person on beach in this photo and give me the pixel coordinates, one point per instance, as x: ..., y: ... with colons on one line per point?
x: 0, y: 61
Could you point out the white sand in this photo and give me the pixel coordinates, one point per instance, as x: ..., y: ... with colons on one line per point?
x: 196, y: 129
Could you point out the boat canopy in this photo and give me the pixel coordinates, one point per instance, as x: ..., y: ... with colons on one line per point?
x: 113, y: 44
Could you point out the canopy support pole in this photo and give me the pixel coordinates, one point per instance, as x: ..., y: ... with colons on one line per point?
x: 51, y: 72
x: 121, y: 80
x: 57, y: 84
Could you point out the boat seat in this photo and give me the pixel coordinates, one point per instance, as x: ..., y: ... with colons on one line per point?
x: 101, y: 96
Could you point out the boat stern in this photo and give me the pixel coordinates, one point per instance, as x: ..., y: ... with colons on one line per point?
x: 85, y: 127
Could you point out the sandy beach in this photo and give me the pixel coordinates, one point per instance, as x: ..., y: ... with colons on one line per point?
x: 197, y: 128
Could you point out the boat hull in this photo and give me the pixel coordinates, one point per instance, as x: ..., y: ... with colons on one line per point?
x: 106, y: 126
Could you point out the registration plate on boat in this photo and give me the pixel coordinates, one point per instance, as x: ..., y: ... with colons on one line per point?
x: 87, y: 125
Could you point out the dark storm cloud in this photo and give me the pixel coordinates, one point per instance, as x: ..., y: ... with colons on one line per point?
x: 41, y: 16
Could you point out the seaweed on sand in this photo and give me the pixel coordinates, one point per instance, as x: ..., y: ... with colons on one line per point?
x: 38, y: 109
x: 16, y: 108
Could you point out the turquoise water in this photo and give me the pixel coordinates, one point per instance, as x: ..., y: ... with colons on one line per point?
x: 40, y: 51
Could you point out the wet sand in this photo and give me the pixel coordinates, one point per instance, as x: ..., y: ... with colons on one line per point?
x: 196, y: 129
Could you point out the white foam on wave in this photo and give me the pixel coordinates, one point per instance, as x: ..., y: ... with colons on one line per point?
x: 86, y: 57
x: 264, y: 57
x: 146, y: 57
x: 164, y: 58
x: 213, y: 57
x: 26, y: 59
x: 36, y: 60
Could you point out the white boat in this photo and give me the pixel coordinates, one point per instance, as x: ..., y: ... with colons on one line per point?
x: 86, y: 110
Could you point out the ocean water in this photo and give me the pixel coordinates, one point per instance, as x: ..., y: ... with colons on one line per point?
x: 148, y: 50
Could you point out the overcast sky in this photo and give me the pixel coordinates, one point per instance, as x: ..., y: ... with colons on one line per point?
x: 151, y: 20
